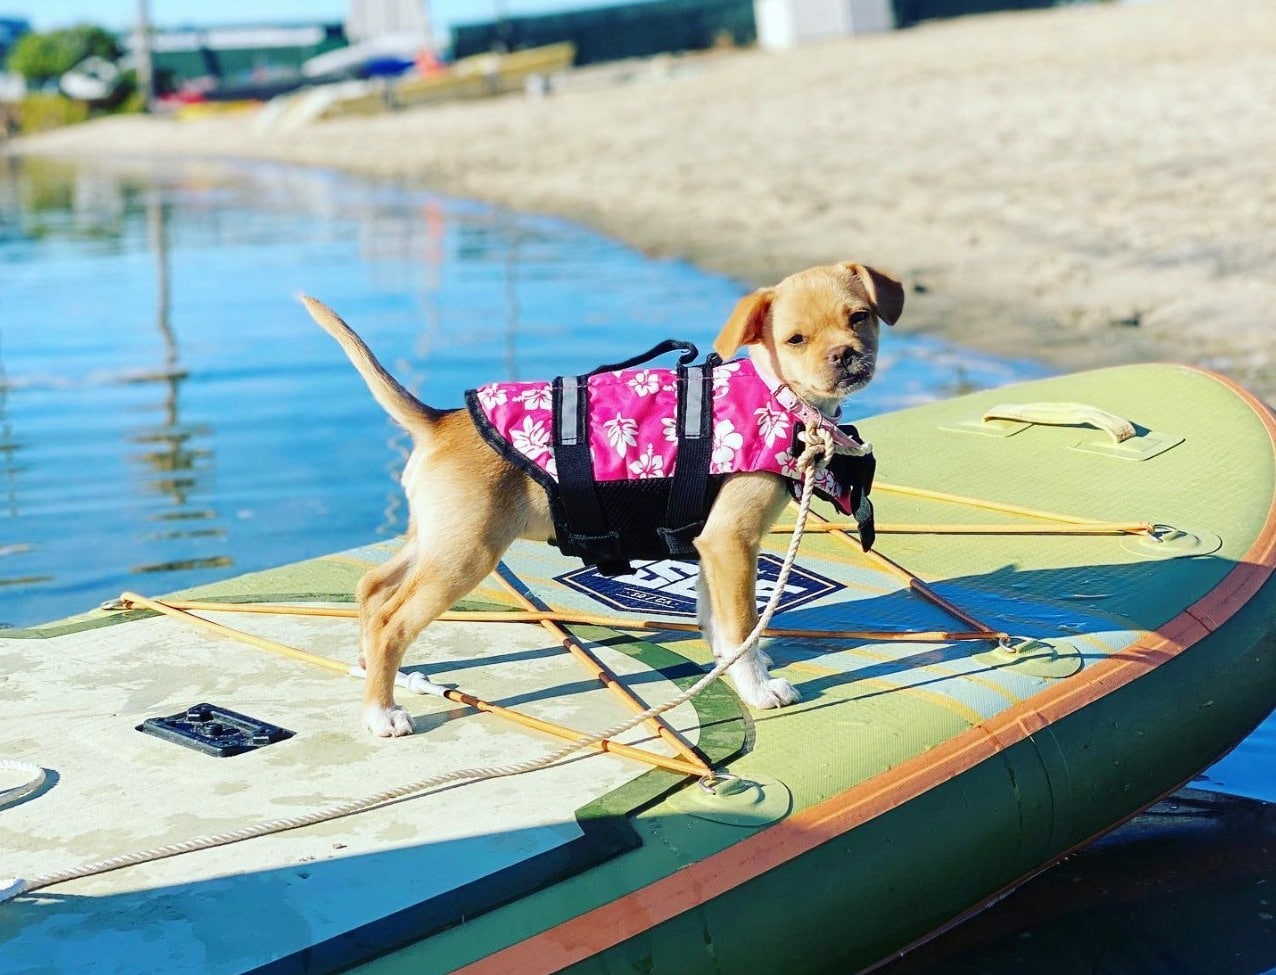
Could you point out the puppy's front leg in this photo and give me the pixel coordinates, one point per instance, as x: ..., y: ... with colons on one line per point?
x: 727, y: 588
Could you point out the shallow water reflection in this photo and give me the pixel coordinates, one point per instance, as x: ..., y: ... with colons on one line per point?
x: 167, y: 409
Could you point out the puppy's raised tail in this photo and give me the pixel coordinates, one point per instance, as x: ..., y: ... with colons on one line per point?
x: 404, y: 408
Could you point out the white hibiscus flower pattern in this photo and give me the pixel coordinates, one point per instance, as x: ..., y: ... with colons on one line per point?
x: 824, y: 481
x: 788, y: 464
x: 531, y: 439
x: 773, y: 424
x: 622, y: 433
x: 722, y: 377
x: 670, y: 425
x: 727, y: 442
x: 645, y: 382
x: 648, y: 464
x: 537, y: 397
x: 491, y: 396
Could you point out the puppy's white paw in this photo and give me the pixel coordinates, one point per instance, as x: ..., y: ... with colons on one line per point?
x: 758, y: 689
x: 774, y: 692
x: 391, y: 722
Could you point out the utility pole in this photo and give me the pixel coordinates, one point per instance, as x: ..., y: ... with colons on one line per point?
x: 142, y: 53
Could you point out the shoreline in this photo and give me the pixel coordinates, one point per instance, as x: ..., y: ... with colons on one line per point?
x: 1083, y: 186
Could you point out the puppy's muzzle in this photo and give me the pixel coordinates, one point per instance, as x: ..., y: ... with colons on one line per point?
x: 850, y: 368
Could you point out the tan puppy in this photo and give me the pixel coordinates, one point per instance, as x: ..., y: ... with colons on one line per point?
x: 816, y: 330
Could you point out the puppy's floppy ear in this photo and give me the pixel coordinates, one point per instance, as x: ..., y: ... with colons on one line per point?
x: 744, y: 327
x: 885, y: 293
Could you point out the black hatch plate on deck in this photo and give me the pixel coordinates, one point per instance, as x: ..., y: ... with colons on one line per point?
x: 215, y: 731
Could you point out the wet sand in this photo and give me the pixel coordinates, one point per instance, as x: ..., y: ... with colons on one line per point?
x: 1085, y: 185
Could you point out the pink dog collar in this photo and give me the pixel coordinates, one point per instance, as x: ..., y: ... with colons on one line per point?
x: 812, y: 419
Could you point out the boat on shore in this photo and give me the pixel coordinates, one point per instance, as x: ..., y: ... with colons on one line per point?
x: 1069, y: 612
x: 477, y: 76
x: 94, y: 80
x: 362, y: 81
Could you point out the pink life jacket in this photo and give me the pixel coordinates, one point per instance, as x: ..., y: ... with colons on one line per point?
x: 635, y: 428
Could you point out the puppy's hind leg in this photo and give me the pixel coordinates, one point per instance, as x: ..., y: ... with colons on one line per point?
x: 379, y: 584
x: 435, y: 578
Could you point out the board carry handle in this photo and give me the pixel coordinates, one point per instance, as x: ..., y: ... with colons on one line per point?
x: 1064, y: 415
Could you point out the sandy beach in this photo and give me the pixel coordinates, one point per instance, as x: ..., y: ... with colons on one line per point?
x: 1086, y: 185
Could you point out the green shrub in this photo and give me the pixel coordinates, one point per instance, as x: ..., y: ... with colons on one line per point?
x: 39, y: 112
x: 132, y: 103
x: 40, y: 58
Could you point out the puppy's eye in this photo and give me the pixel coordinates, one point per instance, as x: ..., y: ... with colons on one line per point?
x: 795, y: 339
x: 859, y: 318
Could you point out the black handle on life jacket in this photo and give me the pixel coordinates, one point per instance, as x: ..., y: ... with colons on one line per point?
x: 689, y: 354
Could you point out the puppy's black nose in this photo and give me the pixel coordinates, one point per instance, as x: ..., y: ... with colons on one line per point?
x: 841, y: 355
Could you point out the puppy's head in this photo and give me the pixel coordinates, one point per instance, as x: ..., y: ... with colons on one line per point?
x: 816, y: 330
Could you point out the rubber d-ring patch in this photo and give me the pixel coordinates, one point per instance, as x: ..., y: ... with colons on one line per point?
x: 1052, y: 659
x: 754, y: 801
x: 1169, y: 542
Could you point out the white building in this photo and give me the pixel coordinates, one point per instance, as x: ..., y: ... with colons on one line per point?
x: 372, y: 20
x: 786, y: 23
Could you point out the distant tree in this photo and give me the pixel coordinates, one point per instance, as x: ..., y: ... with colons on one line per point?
x: 42, y: 57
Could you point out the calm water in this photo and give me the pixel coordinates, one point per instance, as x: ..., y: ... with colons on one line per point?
x: 169, y: 415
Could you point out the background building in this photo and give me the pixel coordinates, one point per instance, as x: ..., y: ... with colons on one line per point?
x: 369, y: 20
x: 611, y: 33
x: 253, y: 61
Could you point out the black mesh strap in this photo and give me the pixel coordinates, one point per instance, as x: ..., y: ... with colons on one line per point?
x: 581, y: 515
x: 689, y: 493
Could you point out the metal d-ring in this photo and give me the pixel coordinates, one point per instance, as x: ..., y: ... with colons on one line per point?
x: 1162, y: 541
x: 711, y: 781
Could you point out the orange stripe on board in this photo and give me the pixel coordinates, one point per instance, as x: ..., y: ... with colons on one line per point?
x: 604, y: 927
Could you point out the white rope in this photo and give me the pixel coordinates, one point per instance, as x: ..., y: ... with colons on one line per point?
x: 36, y: 777
x: 818, y: 450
